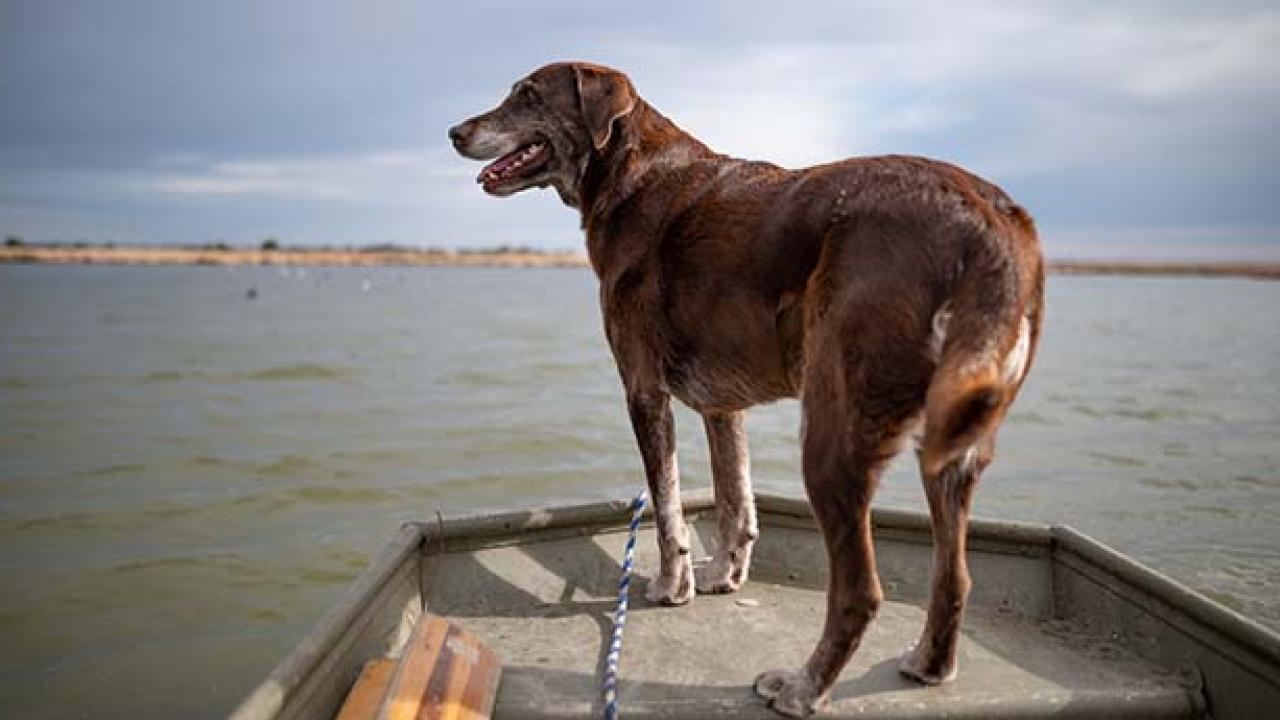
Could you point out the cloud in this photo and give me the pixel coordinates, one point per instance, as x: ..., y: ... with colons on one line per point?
x: 326, y: 119
x: 1220, y: 59
x: 1016, y: 88
x: 381, y: 177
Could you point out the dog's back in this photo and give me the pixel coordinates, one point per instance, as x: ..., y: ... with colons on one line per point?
x: 741, y: 251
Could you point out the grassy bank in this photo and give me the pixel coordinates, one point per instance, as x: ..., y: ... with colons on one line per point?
x: 500, y: 257
x: 222, y: 255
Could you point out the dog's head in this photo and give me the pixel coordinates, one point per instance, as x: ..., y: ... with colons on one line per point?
x: 547, y: 129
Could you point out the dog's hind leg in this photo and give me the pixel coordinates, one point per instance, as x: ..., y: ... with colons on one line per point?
x: 735, y: 506
x: 655, y: 434
x: 950, y: 491
x: 853, y: 425
x: 990, y: 341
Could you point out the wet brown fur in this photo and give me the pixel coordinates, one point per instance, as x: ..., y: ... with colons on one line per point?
x: 728, y: 283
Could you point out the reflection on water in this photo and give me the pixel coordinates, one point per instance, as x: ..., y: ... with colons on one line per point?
x: 188, y: 478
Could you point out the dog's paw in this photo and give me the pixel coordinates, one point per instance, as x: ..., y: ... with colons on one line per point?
x: 790, y: 693
x: 720, y: 574
x: 918, y: 664
x: 674, y: 589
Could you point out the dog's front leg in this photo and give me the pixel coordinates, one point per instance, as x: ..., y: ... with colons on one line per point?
x: 735, y: 507
x: 655, y: 434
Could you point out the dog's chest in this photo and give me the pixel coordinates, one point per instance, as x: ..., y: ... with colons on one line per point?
x: 717, y: 384
x: 708, y: 350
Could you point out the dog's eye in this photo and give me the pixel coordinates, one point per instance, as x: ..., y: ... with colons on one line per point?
x: 526, y: 93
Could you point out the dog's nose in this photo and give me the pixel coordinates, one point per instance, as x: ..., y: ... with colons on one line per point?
x: 458, y: 135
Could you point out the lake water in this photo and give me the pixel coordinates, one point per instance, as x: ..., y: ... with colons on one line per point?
x: 189, y: 478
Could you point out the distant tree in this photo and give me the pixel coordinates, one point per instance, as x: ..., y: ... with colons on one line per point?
x: 383, y: 248
x: 270, y: 244
x: 13, y: 241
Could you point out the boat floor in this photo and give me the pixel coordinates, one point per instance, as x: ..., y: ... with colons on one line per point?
x: 546, y: 608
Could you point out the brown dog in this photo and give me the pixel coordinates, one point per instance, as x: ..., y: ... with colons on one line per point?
x: 883, y: 292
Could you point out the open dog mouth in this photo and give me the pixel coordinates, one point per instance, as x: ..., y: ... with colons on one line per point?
x: 515, y: 166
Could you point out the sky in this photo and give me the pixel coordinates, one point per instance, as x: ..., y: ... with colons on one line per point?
x: 1140, y: 129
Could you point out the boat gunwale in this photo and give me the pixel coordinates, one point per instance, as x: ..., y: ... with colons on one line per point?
x: 1154, y: 586
x: 271, y: 696
x: 508, y: 524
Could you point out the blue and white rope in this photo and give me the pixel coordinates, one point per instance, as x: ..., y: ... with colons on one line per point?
x: 620, y: 616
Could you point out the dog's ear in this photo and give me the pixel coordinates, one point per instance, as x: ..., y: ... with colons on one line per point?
x: 604, y: 95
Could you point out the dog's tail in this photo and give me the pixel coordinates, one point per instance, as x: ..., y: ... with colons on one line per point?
x: 991, y: 339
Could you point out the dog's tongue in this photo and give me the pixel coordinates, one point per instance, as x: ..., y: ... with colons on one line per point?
x: 498, y: 166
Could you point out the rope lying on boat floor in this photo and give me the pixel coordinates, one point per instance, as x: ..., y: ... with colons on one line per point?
x: 620, y: 615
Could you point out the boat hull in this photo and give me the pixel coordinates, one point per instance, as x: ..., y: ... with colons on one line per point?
x: 1058, y: 625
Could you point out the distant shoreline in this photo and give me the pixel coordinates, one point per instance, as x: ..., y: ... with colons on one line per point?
x: 220, y: 255
x: 196, y: 255
x: 1255, y: 270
